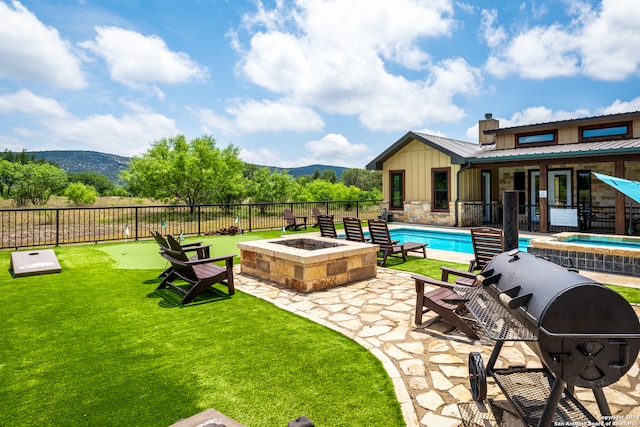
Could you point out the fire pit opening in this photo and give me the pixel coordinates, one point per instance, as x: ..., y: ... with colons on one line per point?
x: 309, y: 263
x: 308, y: 244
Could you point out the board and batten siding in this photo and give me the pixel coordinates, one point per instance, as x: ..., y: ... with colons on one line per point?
x: 417, y: 160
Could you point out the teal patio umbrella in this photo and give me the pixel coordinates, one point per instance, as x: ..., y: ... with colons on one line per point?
x: 625, y: 186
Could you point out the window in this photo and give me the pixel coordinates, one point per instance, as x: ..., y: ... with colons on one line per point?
x: 584, y: 188
x: 548, y: 137
x: 606, y: 131
x: 440, y: 198
x: 396, y: 198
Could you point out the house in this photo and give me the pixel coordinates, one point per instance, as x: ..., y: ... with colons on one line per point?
x: 429, y: 179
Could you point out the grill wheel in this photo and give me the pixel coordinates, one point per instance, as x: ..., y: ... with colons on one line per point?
x: 477, y: 377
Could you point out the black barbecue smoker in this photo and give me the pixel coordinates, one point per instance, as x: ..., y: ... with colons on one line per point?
x: 585, y: 334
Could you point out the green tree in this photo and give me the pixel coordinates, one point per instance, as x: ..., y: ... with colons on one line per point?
x: 37, y: 182
x: 80, y: 194
x: 271, y: 187
x: 329, y: 175
x: 363, y: 179
x: 192, y: 172
x: 98, y: 181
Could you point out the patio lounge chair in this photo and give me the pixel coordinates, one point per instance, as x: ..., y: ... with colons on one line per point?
x: 315, y: 213
x: 353, y: 229
x: 327, y: 227
x: 487, y: 242
x: 200, y: 274
x: 379, y: 232
x: 293, y: 221
x: 202, y: 251
x: 444, y: 301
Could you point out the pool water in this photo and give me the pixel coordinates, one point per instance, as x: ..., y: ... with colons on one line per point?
x: 607, y: 241
x: 442, y: 240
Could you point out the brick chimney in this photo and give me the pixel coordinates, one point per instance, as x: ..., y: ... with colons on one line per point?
x: 489, y: 123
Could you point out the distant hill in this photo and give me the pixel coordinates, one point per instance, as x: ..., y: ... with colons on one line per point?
x: 309, y: 170
x: 86, y: 161
x: 111, y: 165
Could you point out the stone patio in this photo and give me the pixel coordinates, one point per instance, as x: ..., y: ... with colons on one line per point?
x: 428, y: 366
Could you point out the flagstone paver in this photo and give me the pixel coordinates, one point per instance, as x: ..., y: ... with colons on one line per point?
x: 428, y: 366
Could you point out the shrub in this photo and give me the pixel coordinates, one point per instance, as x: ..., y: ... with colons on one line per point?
x: 81, y: 194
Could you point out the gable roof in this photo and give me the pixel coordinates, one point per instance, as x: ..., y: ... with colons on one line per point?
x: 459, y: 151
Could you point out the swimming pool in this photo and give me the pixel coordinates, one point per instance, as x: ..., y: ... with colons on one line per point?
x: 607, y: 241
x: 442, y: 240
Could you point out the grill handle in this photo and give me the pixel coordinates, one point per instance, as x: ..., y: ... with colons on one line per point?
x: 601, y: 336
x: 624, y: 354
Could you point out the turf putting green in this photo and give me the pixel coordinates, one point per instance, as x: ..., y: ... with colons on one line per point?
x: 143, y: 255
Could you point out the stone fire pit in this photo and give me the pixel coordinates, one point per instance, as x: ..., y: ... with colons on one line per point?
x: 308, y: 263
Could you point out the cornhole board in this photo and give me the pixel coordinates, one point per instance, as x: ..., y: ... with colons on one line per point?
x: 32, y: 263
x: 208, y: 418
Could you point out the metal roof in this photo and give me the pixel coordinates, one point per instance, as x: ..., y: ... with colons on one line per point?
x: 459, y: 151
x: 580, y: 149
x: 462, y: 152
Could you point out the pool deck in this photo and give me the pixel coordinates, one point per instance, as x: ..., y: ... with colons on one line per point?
x: 427, y: 365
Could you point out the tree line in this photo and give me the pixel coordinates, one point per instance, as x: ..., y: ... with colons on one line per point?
x: 177, y: 170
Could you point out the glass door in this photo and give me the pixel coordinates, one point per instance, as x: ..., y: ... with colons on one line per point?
x: 535, y: 201
x: 559, y: 188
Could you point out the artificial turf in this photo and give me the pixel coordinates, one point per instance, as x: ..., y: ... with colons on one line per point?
x: 97, y: 345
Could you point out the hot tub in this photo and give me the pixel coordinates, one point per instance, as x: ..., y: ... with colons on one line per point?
x: 591, y: 252
x: 308, y: 263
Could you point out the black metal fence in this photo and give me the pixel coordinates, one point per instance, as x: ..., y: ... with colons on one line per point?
x: 58, y: 226
x: 588, y: 219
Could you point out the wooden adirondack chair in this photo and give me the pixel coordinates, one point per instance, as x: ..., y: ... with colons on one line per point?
x: 444, y: 301
x: 315, y: 213
x: 293, y: 221
x: 327, y: 227
x: 201, y: 274
x: 353, y: 229
x: 202, y: 251
x: 487, y: 243
x: 379, y: 232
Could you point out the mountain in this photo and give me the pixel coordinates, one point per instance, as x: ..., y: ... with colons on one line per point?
x: 309, y: 170
x: 86, y: 161
x: 111, y: 165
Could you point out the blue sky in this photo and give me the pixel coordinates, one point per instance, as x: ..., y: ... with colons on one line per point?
x: 293, y: 83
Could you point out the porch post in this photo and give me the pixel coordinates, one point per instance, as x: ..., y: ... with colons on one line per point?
x: 619, y: 200
x: 544, y: 206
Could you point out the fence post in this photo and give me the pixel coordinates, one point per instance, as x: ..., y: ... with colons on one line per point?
x: 250, y: 217
x: 357, y: 208
x: 199, y: 220
x: 136, y: 223
x: 57, y: 227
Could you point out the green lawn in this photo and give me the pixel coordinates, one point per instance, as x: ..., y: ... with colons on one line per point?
x: 97, y: 345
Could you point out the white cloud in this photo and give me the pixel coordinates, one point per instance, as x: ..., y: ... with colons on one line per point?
x: 538, y: 53
x: 54, y: 128
x: 599, y: 43
x: 249, y: 115
x: 136, y: 60
x: 335, y: 56
x: 332, y: 149
x: 494, y: 36
x: 32, y: 51
x: 255, y: 116
x: 333, y: 146
x: 621, y: 107
x: 26, y: 102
